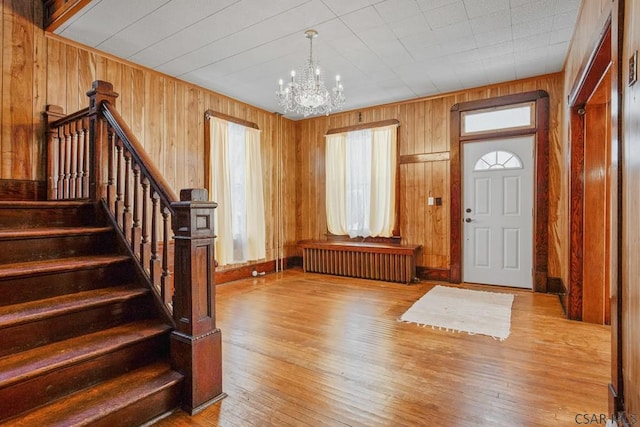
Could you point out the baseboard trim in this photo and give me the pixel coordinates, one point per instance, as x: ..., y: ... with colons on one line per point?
x: 245, y: 271
x: 22, y: 189
x: 430, y: 273
x: 555, y: 285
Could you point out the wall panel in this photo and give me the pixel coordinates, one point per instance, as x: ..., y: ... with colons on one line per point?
x: 424, y: 129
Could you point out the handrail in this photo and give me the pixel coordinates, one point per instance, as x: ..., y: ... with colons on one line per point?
x: 80, y: 114
x: 140, y: 156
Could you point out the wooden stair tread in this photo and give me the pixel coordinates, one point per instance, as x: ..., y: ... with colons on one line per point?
x: 87, y: 406
x: 37, y: 361
x: 35, y: 310
x: 59, y: 265
x: 38, y: 232
x: 43, y: 204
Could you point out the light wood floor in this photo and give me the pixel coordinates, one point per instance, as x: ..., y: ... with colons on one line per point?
x: 309, y: 349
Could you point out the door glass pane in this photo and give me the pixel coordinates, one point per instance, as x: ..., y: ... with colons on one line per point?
x: 512, y: 117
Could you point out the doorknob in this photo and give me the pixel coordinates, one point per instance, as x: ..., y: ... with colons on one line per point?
x: 467, y: 220
x: 467, y: 210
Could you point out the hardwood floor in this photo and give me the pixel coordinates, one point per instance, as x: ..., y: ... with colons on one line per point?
x: 309, y: 349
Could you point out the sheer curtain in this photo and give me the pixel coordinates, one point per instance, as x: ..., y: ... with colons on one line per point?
x: 255, y: 241
x: 335, y: 185
x: 360, y: 170
x: 236, y: 183
x: 221, y: 189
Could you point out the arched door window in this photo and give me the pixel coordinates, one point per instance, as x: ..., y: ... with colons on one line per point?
x: 498, y: 160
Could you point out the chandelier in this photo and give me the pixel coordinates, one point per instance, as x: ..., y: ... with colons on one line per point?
x: 306, y: 93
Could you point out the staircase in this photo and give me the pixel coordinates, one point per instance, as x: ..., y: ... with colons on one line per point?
x: 83, y: 341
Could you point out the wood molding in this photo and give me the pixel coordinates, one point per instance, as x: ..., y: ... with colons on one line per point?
x: 379, y: 124
x: 430, y: 273
x: 425, y: 157
x: 245, y: 271
x: 541, y: 192
x: 57, y: 12
x: 555, y: 285
x: 210, y: 113
x: 20, y: 189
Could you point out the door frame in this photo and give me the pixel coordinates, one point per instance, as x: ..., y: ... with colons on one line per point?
x: 604, y: 51
x: 540, y: 178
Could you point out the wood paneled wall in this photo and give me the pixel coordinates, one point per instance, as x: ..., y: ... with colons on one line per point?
x: 166, y: 114
x: 424, y: 130
x: 631, y: 225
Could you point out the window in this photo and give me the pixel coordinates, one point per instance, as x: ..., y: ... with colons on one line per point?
x: 498, y: 160
x: 360, y: 170
x: 520, y: 116
x: 236, y: 185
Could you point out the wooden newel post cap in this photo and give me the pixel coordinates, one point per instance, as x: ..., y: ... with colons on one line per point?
x: 100, y: 91
x: 194, y: 195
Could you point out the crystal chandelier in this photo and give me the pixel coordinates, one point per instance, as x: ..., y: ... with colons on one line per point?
x: 306, y: 93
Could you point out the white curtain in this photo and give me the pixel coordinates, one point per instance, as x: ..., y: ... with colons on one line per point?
x: 383, y: 181
x: 237, y: 188
x: 360, y: 170
x: 335, y: 185
x: 221, y: 190
x: 358, y: 164
x: 255, y: 241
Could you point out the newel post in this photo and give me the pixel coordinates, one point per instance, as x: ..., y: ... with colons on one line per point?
x: 196, y: 342
x: 98, y: 170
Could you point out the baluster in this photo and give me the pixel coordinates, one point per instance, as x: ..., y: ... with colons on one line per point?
x: 145, y: 250
x: 54, y: 164
x: 80, y: 154
x: 167, y: 284
x: 111, y: 189
x: 67, y: 161
x: 135, y: 229
x: 61, y: 158
x: 73, y: 160
x: 118, y: 204
x: 126, y: 213
x: 155, y: 268
x: 85, y: 163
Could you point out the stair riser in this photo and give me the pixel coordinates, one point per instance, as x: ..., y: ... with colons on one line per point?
x: 144, y: 410
x: 23, y: 289
x: 44, y: 248
x: 68, y: 379
x: 33, y: 334
x: 64, y: 216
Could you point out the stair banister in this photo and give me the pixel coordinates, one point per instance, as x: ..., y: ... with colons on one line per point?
x: 131, y: 194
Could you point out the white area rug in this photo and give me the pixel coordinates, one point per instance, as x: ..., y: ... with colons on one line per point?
x: 454, y: 309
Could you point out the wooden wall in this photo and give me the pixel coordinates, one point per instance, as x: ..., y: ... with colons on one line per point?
x: 424, y: 129
x: 166, y: 114
x: 631, y: 224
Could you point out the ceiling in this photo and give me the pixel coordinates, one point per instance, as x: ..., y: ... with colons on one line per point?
x: 384, y: 50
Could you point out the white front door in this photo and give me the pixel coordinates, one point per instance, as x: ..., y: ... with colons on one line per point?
x: 498, y: 212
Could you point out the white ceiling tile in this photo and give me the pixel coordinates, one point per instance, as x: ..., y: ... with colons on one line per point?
x: 493, y: 37
x: 397, y: 10
x: 435, y: 4
x: 564, y: 20
x: 476, y: 8
x: 461, y: 30
x: 490, y: 22
x: 341, y: 7
x: 533, y: 11
x: 363, y: 19
x: 560, y: 36
x: 498, y: 49
x: 527, y: 43
x: 568, y: 6
x: 446, y: 15
x: 531, y: 28
x: 411, y: 26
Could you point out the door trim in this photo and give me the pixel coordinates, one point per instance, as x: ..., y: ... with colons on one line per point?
x: 541, y: 178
